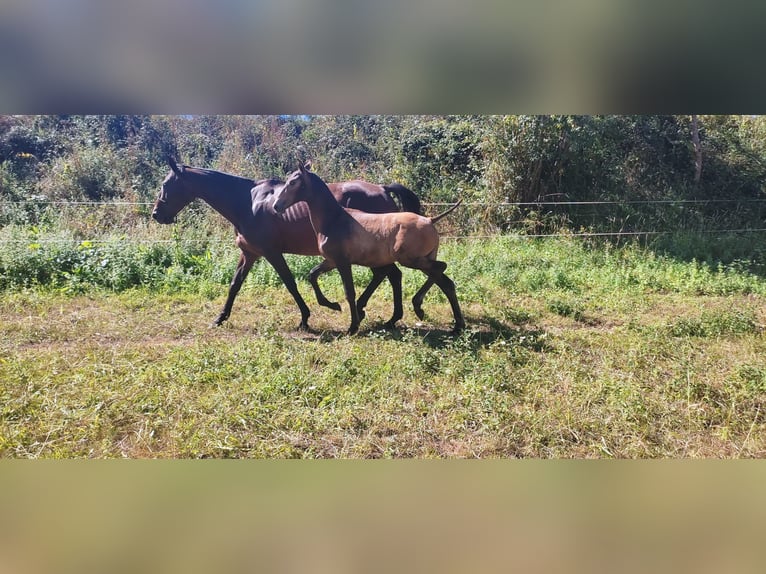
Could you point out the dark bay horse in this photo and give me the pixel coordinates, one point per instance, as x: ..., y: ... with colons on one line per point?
x: 375, y: 240
x: 261, y: 232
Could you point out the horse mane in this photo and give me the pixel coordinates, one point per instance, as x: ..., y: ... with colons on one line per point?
x: 220, y: 175
x: 269, y: 180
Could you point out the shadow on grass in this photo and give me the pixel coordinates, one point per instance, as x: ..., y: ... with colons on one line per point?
x: 479, y: 333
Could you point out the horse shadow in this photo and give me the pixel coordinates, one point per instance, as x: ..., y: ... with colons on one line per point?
x: 479, y: 333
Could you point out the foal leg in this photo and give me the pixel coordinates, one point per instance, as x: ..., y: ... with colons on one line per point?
x: 417, y: 300
x: 314, y: 274
x: 448, y: 287
x: 395, y: 278
x: 246, y: 261
x: 378, y: 274
x: 279, y: 264
x: 348, y: 287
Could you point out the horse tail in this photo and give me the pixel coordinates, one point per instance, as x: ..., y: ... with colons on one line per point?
x: 438, y: 217
x: 407, y: 198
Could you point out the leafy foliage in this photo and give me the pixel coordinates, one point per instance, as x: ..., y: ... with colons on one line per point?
x: 631, y: 162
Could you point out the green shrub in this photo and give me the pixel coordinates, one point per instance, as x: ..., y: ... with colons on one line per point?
x: 88, y: 174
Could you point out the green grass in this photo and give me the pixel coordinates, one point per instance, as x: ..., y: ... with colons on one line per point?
x: 571, y: 351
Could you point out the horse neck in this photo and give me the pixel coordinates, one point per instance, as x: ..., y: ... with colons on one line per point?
x: 324, y: 209
x: 228, y: 195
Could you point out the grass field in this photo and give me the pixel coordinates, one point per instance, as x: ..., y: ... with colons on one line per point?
x: 572, y: 350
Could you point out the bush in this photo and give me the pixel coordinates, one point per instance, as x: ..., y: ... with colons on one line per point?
x: 87, y: 174
x: 618, y: 164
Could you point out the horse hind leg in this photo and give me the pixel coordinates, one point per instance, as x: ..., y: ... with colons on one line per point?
x: 378, y: 274
x: 417, y: 300
x: 448, y: 288
x: 277, y: 261
x: 246, y: 261
x: 395, y: 278
x: 435, y: 272
x: 314, y: 274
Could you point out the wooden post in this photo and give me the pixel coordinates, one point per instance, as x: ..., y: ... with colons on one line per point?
x: 697, y: 150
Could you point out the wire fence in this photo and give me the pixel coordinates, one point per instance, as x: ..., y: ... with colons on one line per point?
x: 431, y: 204
x: 521, y: 228
x: 36, y: 242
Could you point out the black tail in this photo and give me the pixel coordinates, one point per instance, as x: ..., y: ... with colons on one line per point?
x: 407, y: 198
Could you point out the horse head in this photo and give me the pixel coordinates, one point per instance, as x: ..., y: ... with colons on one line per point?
x: 174, y: 195
x: 293, y: 190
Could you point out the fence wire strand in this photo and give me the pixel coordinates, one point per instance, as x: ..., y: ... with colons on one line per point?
x: 516, y: 236
x: 426, y: 204
x: 490, y: 205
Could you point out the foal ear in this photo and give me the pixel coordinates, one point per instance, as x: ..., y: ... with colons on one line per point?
x: 174, y: 166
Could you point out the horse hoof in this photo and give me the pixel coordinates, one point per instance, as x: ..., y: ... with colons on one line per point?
x: 353, y: 329
x: 334, y: 306
x: 457, y: 329
x: 390, y: 325
x: 304, y: 326
x: 419, y: 313
x: 361, y: 313
x: 217, y: 323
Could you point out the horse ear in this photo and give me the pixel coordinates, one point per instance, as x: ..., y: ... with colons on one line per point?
x: 307, y: 166
x: 174, y: 166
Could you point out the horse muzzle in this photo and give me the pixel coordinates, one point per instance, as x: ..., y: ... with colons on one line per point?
x: 279, y: 206
x: 162, y: 219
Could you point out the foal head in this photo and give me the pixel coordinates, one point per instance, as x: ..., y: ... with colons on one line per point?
x: 174, y: 195
x: 297, y: 187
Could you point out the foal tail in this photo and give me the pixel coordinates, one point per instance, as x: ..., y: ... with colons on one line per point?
x: 438, y: 217
x: 407, y: 198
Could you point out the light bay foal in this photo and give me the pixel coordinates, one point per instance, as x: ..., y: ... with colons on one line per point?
x: 348, y: 237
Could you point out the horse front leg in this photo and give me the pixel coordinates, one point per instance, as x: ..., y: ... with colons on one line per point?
x: 246, y: 261
x: 348, y: 287
x: 279, y: 264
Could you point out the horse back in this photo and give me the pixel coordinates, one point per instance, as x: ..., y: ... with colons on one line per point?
x: 377, y: 239
x: 364, y: 196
